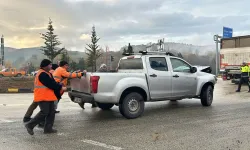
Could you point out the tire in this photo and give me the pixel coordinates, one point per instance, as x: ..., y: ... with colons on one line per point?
x: 81, y: 105
x: 1, y: 75
x: 19, y: 75
x: 105, y: 106
x: 207, y: 96
x: 132, y: 106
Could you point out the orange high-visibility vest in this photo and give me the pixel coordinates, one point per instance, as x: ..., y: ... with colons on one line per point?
x: 51, y: 71
x: 41, y: 92
x: 61, y: 75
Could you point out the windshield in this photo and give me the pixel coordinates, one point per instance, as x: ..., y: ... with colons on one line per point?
x: 135, y: 63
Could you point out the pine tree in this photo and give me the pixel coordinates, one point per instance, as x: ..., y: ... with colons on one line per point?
x: 93, y: 51
x: 81, y: 64
x: 130, y: 49
x: 51, y: 42
x: 73, y: 66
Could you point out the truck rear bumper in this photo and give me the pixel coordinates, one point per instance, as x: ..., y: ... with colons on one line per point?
x: 78, y: 97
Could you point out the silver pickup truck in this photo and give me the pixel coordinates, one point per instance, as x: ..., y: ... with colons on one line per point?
x: 144, y: 78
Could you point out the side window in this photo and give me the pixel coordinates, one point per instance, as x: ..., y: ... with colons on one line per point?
x: 179, y: 65
x: 158, y: 63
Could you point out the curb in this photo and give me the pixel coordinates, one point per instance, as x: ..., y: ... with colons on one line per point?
x: 16, y: 90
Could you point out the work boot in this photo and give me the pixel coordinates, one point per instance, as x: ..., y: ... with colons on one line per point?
x: 29, y: 129
x: 237, y: 91
x: 50, y: 131
x: 26, y: 119
x: 57, y: 111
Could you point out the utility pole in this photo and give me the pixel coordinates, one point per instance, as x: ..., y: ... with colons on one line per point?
x: 111, y: 62
x: 161, y: 44
x: 108, y: 61
x: 2, y: 50
x: 217, y: 41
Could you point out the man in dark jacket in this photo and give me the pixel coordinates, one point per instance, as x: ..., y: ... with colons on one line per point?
x: 33, y: 106
x: 45, y: 93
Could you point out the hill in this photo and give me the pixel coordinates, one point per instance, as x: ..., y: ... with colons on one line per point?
x: 18, y: 57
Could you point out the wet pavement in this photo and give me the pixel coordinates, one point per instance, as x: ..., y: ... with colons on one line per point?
x: 164, y: 125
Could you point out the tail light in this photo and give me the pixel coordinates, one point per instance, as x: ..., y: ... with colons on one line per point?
x: 94, y: 83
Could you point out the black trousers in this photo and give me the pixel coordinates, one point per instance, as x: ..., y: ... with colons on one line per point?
x: 47, y: 112
x: 243, y: 80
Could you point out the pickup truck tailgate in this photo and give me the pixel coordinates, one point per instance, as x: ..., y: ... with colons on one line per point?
x: 81, y: 85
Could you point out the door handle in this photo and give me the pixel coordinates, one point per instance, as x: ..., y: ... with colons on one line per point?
x: 176, y: 76
x: 153, y: 75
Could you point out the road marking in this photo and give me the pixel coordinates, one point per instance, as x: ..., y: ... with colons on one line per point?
x: 62, y: 134
x: 101, y: 144
x: 5, y: 120
x: 13, y: 104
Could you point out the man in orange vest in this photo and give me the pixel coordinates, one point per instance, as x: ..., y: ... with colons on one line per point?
x: 61, y: 75
x: 46, y: 91
x: 33, y: 106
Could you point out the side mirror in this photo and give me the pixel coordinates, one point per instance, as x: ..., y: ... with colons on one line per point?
x: 193, y: 69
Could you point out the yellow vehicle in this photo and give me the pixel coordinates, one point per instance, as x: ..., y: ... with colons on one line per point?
x: 11, y: 72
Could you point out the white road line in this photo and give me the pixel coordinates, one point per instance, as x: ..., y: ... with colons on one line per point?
x: 13, y: 105
x: 4, y: 120
x: 101, y: 144
x: 62, y: 134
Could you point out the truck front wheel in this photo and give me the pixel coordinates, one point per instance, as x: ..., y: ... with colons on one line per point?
x: 132, y: 106
x: 207, y: 95
x: 105, y: 106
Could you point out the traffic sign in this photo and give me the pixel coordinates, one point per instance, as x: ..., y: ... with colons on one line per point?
x: 227, y: 32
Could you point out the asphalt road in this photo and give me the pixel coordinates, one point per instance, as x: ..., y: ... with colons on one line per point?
x: 164, y: 125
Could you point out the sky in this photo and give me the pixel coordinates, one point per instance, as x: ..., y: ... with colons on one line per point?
x: 119, y: 22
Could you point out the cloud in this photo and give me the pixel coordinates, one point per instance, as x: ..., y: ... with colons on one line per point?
x: 85, y: 37
x: 119, y: 22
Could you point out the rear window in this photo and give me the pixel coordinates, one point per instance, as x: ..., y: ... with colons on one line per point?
x: 134, y: 63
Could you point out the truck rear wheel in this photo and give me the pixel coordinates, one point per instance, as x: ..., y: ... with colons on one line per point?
x: 1, y: 75
x: 132, y: 106
x: 105, y: 106
x: 18, y: 75
x: 207, y: 95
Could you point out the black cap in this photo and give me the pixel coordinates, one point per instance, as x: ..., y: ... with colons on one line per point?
x: 63, y: 63
x: 45, y: 63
